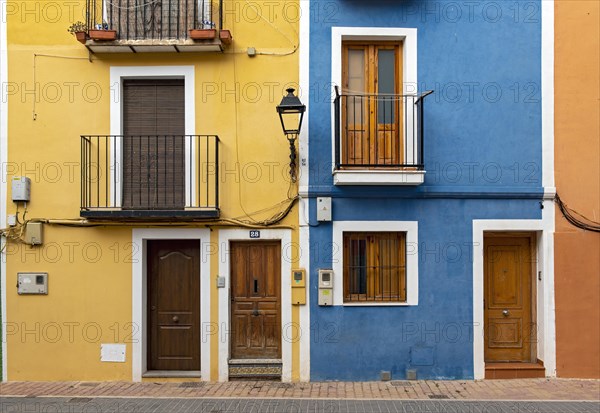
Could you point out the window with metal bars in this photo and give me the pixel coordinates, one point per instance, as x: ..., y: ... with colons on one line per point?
x: 374, y: 267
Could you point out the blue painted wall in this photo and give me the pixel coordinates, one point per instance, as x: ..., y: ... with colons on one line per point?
x: 483, y: 161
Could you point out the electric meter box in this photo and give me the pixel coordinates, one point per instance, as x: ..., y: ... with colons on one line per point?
x: 32, y: 283
x: 21, y: 189
x: 298, y: 287
x: 325, y: 287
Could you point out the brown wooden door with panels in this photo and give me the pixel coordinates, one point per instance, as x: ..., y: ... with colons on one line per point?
x: 510, y: 329
x: 372, y: 109
x: 173, y: 272
x: 256, y: 299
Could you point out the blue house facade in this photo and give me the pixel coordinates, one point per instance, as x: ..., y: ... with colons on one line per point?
x: 430, y: 144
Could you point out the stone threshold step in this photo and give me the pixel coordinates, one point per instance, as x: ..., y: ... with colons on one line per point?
x: 514, y: 366
x: 255, y: 361
x: 495, y: 371
x: 172, y: 374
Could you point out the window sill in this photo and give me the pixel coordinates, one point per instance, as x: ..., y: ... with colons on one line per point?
x: 370, y: 177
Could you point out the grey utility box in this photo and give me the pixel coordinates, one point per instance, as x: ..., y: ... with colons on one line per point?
x: 21, y: 189
x: 32, y: 283
x: 325, y: 287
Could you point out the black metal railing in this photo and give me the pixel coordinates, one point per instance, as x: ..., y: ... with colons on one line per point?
x: 154, y: 19
x: 379, y: 131
x: 149, y: 173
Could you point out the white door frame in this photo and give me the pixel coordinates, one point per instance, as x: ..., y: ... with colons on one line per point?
x: 288, y: 332
x: 139, y: 293
x: 546, y: 340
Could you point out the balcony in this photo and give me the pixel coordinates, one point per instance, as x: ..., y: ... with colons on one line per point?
x: 138, y: 26
x: 379, y: 139
x: 159, y: 177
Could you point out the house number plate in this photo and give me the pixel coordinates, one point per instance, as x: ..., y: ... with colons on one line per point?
x: 254, y: 234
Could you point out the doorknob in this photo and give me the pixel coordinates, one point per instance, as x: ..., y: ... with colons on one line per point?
x: 505, y: 313
x: 255, y: 313
x: 175, y: 319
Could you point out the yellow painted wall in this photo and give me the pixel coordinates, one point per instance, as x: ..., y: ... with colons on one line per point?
x: 73, y: 98
x: 577, y: 163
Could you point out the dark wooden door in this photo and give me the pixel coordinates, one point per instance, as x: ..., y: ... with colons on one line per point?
x: 508, y: 299
x: 256, y: 300
x: 174, y: 305
x: 153, y: 144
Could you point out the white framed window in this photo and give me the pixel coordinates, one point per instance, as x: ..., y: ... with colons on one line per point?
x: 374, y: 135
x: 375, y: 263
x: 118, y: 74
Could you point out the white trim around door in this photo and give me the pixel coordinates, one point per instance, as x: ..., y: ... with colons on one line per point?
x: 287, y: 329
x: 544, y: 284
x: 139, y: 288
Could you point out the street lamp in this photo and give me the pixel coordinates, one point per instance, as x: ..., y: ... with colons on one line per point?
x: 291, y: 112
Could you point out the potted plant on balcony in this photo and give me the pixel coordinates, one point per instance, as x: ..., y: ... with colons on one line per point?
x: 208, y: 32
x: 79, y: 29
x: 101, y: 32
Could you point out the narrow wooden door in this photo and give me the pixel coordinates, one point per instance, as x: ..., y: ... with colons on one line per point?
x: 174, y: 305
x: 508, y: 299
x: 256, y: 300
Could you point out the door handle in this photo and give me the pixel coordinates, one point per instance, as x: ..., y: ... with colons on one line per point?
x: 175, y: 319
x: 505, y: 313
x: 255, y: 313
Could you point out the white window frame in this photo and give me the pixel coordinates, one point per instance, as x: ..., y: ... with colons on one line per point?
x: 410, y: 228
x: 120, y: 73
x: 408, y: 36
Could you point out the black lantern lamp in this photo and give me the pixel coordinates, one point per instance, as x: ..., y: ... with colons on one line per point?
x: 291, y: 112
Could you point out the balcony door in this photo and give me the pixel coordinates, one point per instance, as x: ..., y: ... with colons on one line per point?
x: 147, y: 20
x: 153, y: 144
x: 371, y: 112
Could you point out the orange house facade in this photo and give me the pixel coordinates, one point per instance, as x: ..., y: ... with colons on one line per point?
x: 577, y: 174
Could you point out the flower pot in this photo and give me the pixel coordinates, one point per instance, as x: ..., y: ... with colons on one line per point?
x: 81, y: 37
x: 202, y: 34
x: 103, y: 34
x: 225, y: 36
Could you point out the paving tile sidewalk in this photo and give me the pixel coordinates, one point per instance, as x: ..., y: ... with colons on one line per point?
x: 522, y: 389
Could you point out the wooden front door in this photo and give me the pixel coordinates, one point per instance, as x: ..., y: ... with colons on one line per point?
x: 256, y: 300
x: 174, y: 305
x: 509, y: 326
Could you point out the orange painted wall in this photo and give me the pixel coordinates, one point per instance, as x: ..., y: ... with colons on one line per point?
x: 577, y: 163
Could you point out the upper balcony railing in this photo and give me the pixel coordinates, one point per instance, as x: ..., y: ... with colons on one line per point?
x: 150, y: 177
x: 379, y: 132
x: 155, y: 25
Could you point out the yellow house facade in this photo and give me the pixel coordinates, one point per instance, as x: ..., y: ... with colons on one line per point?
x: 150, y: 218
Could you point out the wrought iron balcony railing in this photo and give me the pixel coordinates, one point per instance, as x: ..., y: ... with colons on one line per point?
x: 378, y: 131
x: 150, y: 177
x: 155, y: 25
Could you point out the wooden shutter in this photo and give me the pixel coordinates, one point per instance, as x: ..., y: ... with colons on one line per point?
x: 153, y: 144
x: 374, y: 266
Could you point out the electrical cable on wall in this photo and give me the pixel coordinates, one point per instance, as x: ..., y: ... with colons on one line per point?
x: 35, y: 56
x: 575, y: 218
x: 279, y: 216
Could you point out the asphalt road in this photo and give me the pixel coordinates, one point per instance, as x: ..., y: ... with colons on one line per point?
x: 190, y: 405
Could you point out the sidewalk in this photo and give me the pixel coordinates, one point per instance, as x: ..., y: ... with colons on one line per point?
x: 521, y: 389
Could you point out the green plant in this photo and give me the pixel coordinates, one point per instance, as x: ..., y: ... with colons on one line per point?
x: 77, y: 27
